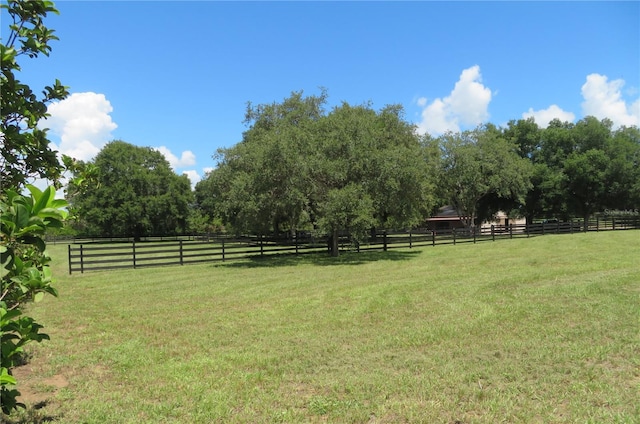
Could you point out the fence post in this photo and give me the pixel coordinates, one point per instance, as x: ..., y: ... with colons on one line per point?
x: 558, y: 227
x: 261, y: 245
x: 597, y: 224
x: 69, y: 249
x: 526, y: 228
x: 296, y: 241
x: 81, y: 260
x: 453, y: 231
x: 433, y: 237
x: 571, y: 226
x: 474, y: 234
x: 134, y: 253
x: 384, y: 240
x: 493, y: 233
x: 410, y: 244
x: 181, y: 261
x: 613, y: 222
x: 510, y: 231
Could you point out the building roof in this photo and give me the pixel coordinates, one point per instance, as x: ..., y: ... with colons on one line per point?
x: 446, y: 213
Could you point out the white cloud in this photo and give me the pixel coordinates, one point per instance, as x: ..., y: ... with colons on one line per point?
x: 544, y: 116
x: 82, y: 122
x: 466, y: 105
x: 186, y: 159
x: 603, y: 99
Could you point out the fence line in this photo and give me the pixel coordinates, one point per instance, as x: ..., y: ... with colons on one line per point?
x: 94, y: 256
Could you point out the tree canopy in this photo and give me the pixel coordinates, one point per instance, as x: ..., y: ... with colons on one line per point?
x: 581, y: 169
x: 136, y: 193
x: 300, y: 168
x: 479, y: 165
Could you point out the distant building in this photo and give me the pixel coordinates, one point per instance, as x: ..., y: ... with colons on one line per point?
x: 448, y: 218
x: 500, y: 219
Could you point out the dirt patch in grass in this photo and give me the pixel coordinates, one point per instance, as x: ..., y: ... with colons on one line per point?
x: 35, y: 390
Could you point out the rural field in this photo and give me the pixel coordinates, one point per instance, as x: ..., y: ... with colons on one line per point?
x: 539, y: 330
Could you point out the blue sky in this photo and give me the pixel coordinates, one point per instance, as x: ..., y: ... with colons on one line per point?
x: 177, y: 75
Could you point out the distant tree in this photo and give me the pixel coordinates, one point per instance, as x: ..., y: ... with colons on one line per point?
x: 584, y: 168
x: 585, y: 182
x: 369, y: 172
x: 602, y: 171
x: 300, y: 168
x: 623, y: 169
x: 403, y: 189
x: 545, y: 149
x: 478, y: 164
x: 526, y: 135
x: 136, y: 194
x: 548, y: 196
x: 262, y: 184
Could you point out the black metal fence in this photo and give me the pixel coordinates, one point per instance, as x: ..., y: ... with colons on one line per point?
x: 113, y: 253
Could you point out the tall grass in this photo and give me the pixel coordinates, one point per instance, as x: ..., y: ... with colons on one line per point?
x: 530, y: 330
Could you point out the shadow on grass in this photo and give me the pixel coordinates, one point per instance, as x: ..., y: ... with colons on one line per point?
x: 30, y: 415
x: 318, y: 259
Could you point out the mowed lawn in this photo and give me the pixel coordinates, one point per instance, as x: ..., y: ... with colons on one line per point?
x: 542, y: 330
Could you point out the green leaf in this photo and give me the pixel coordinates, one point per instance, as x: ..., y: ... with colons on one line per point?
x: 22, y: 216
x: 43, y: 200
x: 6, y: 315
x: 58, y: 203
x: 35, y: 241
x: 5, y: 378
x: 52, y: 213
x: 38, y: 297
x: 36, y: 193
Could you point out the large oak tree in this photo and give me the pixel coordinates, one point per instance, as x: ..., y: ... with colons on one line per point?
x: 299, y: 168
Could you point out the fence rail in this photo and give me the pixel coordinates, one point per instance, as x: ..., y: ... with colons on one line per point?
x: 124, y: 253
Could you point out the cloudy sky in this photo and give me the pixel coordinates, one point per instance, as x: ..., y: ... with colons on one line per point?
x: 177, y: 76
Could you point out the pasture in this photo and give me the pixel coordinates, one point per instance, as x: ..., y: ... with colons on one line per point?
x: 545, y: 329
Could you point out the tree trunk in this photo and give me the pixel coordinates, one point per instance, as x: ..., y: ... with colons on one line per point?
x: 585, y: 223
x: 335, y: 252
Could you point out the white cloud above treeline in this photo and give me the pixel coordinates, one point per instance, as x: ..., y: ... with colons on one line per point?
x: 187, y: 157
x: 466, y: 105
x: 544, y: 116
x: 82, y: 122
x: 601, y: 98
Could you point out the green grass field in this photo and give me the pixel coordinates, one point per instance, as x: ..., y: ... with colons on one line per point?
x: 542, y: 330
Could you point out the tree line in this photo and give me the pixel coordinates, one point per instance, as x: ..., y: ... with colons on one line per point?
x: 301, y: 167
